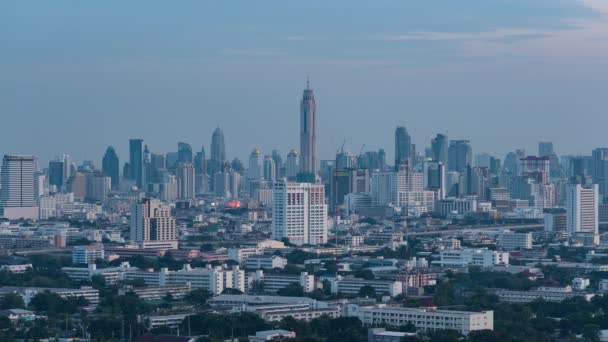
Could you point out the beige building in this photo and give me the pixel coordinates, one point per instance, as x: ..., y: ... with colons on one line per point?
x: 152, y: 225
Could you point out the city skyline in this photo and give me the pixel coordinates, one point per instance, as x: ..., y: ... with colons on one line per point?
x: 467, y: 80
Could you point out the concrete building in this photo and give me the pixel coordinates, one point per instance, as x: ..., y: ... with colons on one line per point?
x: 308, y: 132
x: 17, y: 194
x: 299, y: 213
x: 471, y: 257
x: 257, y: 262
x: 185, y: 180
x: 213, y: 279
x: 351, y: 285
x: 274, y: 282
x: 152, y: 225
x: 427, y: 319
x: 512, y: 241
x: 87, y: 254
x: 548, y: 294
x: 582, y: 209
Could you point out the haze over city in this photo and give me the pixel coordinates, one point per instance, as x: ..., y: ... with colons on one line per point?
x: 99, y: 74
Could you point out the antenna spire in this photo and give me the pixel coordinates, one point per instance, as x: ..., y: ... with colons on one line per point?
x: 307, y: 83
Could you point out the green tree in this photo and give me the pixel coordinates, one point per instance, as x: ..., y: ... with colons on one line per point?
x: 291, y: 290
x: 367, y: 291
x: 12, y: 301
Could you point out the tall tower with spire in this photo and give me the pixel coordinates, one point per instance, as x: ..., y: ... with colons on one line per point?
x: 308, y: 132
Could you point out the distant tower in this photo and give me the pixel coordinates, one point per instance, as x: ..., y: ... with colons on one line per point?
x: 439, y: 148
x: 17, y: 192
x: 218, y: 152
x: 111, y: 167
x: 136, y: 161
x: 291, y: 165
x: 255, y: 165
x: 403, y: 147
x: 308, y: 132
x: 269, y: 169
x: 184, y: 152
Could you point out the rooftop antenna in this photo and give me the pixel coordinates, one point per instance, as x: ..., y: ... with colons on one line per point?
x: 307, y: 83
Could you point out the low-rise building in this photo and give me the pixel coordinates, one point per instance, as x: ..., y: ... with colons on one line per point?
x: 271, y: 335
x: 549, y: 294
x: 427, y: 319
x: 22, y: 268
x: 87, y: 254
x: 512, y: 241
x: 256, y: 262
x: 273, y: 282
x: 471, y: 257
x: 351, y: 285
x: 178, y: 292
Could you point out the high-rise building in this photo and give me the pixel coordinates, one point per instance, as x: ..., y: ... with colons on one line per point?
x: 67, y: 167
x: 599, y: 169
x: 269, y: 169
x: 308, y: 132
x: 97, y: 186
x: 439, y: 147
x: 534, y: 167
x: 17, y: 195
x: 460, y: 155
x: 403, y: 147
x: 291, y: 165
x: 200, y: 162
x: 186, y: 178
x: 184, y: 152
x: 218, y: 151
x: 56, y: 174
x: 278, y: 164
x: 111, y: 167
x: 299, y: 213
x: 582, y: 203
x: 152, y: 225
x: 434, y: 178
x: 545, y: 149
x: 136, y: 161
x: 256, y: 164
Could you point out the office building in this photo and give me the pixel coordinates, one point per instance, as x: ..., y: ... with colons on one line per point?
x: 184, y: 153
x: 403, y: 147
x: 308, y: 132
x: 17, y: 194
x: 255, y: 170
x: 56, y: 179
x: 87, y: 254
x: 136, y: 161
x: 152, y: 225
x: 471, y: 257
x: 513, y: 241
x: 582, y: 204
x: 110, y: 165
x: 427, y: 319
x: 352, y: 286
x: 291, y: 165
x: 299, y: 213
x: 460, y: 155
x: 269, y: 168
x: 186, y: 180
x: 439, y: 148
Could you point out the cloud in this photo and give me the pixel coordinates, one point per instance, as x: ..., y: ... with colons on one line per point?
x: 500, y: 34
x: 253, y: 52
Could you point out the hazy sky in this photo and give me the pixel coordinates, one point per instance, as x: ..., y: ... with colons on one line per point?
x: 77, y: 76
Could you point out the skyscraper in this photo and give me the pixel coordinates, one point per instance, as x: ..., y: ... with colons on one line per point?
x: 56, y: 178
x: 17, y: 193
x: 184, y: 152
x: 186, y: 180
x: 269, y: 169
x: 599, y: 168
x: 218, y: 147
x: 152, y: 225
x: 136, y: 161
x: 439, y: 147
x: 255, y: 171
x: 111, y: 167
x: 460, y: 155
x: 308, y: 132
x: 403, y: 147
x: 291, y: 165
x: 299, y: 213
x: 545, y: 148
x: 278, y: 164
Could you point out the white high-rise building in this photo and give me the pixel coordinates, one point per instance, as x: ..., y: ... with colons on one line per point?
x: 299, y: 213
x: 185, y: 178
x: 395, y: 187
x: 582, y: 209
x: 256, y: 162
x: 152, y: 225
x: 269, y: 169
x: 17, y: 195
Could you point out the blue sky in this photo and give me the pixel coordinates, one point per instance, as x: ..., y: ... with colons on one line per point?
x: 76, y: 76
